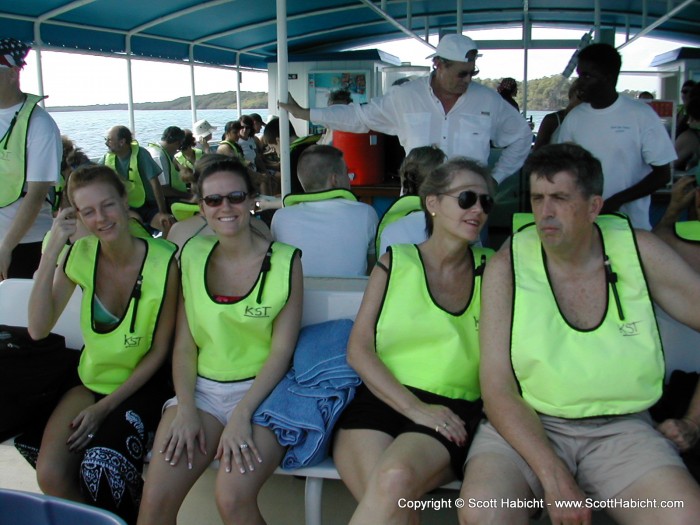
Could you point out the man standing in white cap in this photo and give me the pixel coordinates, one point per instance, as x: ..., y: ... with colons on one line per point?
x: 201, y: 130
x: 30, y: 160
x: 444, y: 109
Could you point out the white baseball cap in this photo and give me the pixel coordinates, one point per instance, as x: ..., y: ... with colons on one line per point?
x: 458, y: 48
x: 202, y: 128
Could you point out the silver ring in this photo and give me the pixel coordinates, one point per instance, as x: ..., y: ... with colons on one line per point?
x: 437, y: 428
x: 243, y: 446
x: 445, y: 425
x: 90, y: 436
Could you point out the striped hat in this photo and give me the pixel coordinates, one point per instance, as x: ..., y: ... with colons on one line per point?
x: 13, y: 53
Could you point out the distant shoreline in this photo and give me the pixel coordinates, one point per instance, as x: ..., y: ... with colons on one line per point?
x: 225, y: 100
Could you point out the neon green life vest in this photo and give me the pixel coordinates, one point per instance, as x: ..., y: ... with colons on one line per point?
x: 399, y: 209
x: 522, y: 219
x: 237, y: 150
x: 13, y: 153
x: 688, y: 230
x: 134, y: 185
x: 184, y: 210
x: 109, y: 358
x: 233, y: 340
x: 423, y: 345
x: 295, y: 198
x: 616, y: 368
x: 173, y: 171
x: 180, y: 157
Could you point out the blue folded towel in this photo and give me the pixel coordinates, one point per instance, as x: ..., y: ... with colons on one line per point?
x: 304, y: 407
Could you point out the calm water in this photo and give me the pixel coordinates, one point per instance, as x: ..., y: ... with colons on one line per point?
x: 88, y: 128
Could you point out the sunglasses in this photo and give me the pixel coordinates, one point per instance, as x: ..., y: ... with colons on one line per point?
x: 467, y: 199
x: 215, y: 200
x: 465, y: 74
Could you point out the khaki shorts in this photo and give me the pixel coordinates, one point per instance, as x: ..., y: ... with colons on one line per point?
x: 217, y: 399
x: 605, y: 455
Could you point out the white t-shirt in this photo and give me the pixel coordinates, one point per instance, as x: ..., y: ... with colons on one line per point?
x: 44, y: 153
x: 627, y: 137
x: 335, y: 235
x: 249, y: 149
x: 416, y: 116
x: 409, y: 229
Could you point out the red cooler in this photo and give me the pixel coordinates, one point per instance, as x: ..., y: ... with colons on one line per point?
x: 364, y: 155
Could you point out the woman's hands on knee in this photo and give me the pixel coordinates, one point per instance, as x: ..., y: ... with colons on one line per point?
x: 237, y: 445
x: 185, y: 431
x: 442, y: 420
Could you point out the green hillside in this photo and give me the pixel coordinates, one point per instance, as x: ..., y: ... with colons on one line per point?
x: 227, y: 100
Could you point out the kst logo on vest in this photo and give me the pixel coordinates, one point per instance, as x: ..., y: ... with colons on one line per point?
x: 131, y: 341
x: 629, y: 329
x: 257, y: 311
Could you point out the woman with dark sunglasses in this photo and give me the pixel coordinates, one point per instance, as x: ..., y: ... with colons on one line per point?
x: 238, y: 321
x: 415, y: 346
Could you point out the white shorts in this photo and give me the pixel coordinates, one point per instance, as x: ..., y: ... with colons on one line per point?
x: 217, y: 399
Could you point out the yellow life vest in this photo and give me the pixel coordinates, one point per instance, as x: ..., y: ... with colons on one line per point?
x: 295, y: 198
x: 615, y: 368
x: 399, y: 209
x: 109, y: 358
x: 134, y: 185
x: 233, y: 339
x: 688, y: 230
x: 422, y: 344
x: 180, y: 157
x: 13, y: 153
x: 173, y: 171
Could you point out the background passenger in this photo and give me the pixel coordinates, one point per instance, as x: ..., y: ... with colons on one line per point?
x: 404, y: 221
x: 415, y: 345
x: 551, y: 122
x: 334, y: 231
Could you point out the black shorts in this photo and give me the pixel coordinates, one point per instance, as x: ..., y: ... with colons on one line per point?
x: 366, y: 411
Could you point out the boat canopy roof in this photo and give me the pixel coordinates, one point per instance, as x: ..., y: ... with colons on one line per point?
x: 244, y: 33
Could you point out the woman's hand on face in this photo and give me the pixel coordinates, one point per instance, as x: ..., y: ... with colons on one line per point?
x: 237, y: 445
x: 64, y: 225
x: 442, y: 420
x: 86, y: 424
x: 185, y: 431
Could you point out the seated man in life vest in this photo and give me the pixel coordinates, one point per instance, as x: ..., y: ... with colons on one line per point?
x: 334, y: 231
x: 571, y: 360
x: 140, y: 173
x: 174, y: 188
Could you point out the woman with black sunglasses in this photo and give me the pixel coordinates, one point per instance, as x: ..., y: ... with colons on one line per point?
x: 415, y: 346
x: 238, y: 321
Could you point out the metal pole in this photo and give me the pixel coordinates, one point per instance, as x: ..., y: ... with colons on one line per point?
x: 393, y: 22
x: 193, y: 101
x: 130, y: 87
x: 660, y: 21
x: 527, y: 34
x: 283, y: 93
x: 238, y: 85
x: 39, y: 68
x: 460, y: 17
